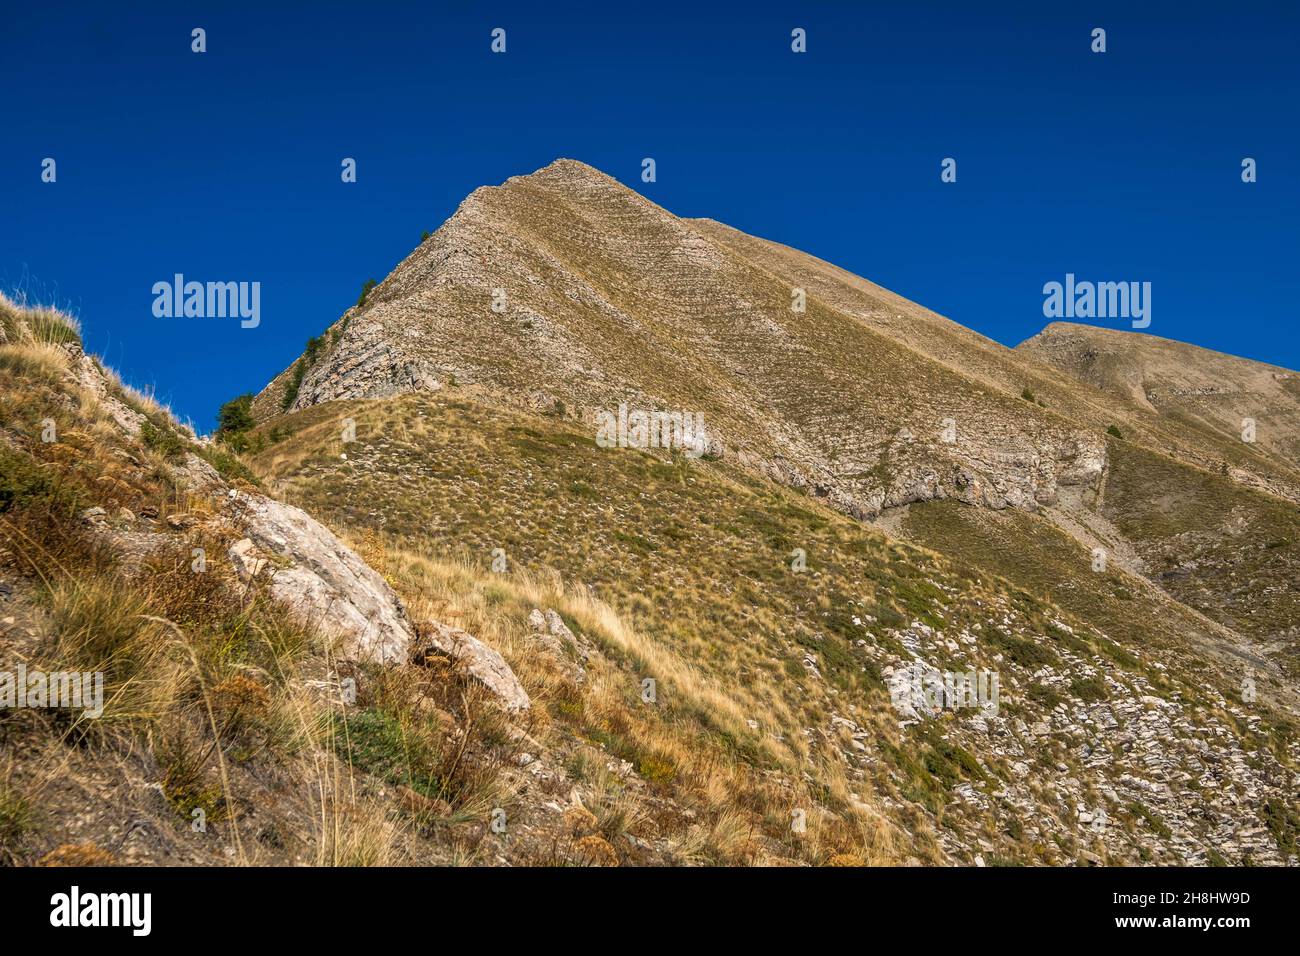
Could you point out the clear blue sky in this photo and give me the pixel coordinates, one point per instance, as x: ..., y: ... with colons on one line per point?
x: 225, y: 165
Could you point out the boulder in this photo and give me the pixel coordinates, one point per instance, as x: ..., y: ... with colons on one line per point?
x: 481, y: 661
x: 311, y: 570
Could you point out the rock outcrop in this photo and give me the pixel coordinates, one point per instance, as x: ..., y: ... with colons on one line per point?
x: 311, y: 570
x: 304, y: 564
x: 568, y: 650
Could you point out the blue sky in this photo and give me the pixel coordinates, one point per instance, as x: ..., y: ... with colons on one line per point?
x: 225, y: 165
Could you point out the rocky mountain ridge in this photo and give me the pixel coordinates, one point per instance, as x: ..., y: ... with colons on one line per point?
x: 572, y: 300
x: 1145, y: 511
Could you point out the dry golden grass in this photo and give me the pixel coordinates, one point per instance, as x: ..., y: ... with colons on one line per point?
x: 744, y: 814
x: 213, y: 680
x: 21, y: 323
x: 78, y: 855
x: 205, y: 676
x: 40, y: 360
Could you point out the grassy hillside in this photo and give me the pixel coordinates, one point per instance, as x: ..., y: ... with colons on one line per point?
x: 1231, y: 553
x: 762, y: 668
x: 1188, y: 402
x: 223, y: 738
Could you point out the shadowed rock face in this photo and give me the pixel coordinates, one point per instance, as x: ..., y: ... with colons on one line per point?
x: 481, y: 661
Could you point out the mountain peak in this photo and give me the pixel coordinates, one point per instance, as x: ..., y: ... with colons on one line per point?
x: 564, y: 171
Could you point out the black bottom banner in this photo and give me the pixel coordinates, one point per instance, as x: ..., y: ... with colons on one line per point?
x: 339, y: 907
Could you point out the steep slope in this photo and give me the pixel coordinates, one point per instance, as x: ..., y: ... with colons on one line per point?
x: 567, y: 292
x: 565, y: 287
x: 1240, y: 388
x: 1152, y: 528
x: 1230, y: 551
x: 1219, y: 547
x: 253, y: 692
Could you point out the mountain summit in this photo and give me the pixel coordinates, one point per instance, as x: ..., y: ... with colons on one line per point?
x: 565, y: 292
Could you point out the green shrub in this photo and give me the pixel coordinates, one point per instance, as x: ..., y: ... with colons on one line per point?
x: 1284, y: 823
x: 165, y: 441
x: 656, y: 769
x: 1089, y: 689
x: 310, y: 355
x: 1114, y: 432
x: 1157, y: 825
x: 1021, y: 650
x: 295, y: 383
x: 235, y: 417
x: 377, y: 743
x: 312, y: 352
x: 365, y: 292
x: 1079, y: 645
x: 227, y: 465
x: 1045, y: 695
x: 24, y: 481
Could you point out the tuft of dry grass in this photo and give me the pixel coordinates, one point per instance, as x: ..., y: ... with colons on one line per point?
x: 42, y: 361
x: 77, y: 855
x: 17, y: 815
x: 34, y: 324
